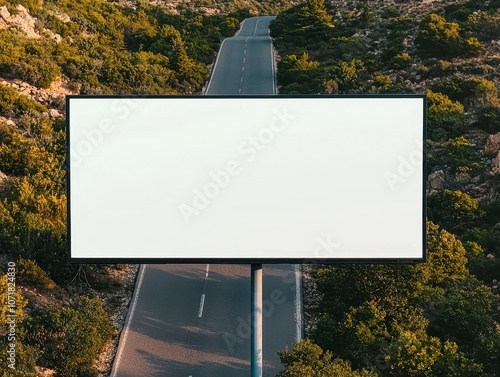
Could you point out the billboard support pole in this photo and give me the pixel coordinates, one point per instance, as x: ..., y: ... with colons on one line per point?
x: 256, y: 320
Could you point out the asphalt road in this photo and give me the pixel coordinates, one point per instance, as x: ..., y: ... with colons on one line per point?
x: 194, y: 320
x: 244, y: 64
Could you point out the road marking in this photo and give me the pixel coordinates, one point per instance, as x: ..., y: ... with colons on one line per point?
x: 255, y: 30
x: 244, y: 60
x: 202, y: 303
x: 239, y: 91
x: 215, y: 65
x: 272, y: 65
x: 245, y: 52
x: 130, y: 315
x: 298, y: 303
x: 241, y: 27
x: 242, y: 69
x: 207, y: 269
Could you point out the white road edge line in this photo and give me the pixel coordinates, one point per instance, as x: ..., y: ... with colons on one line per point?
x: 298, y: 303
x: 123, y: 337
x: 202, y: 303
x: 207, y: 270
x: 272, y: 65
x: 241, y: 27
x: 215, y: 65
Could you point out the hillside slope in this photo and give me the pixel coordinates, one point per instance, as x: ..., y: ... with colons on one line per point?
x: 441, y: 318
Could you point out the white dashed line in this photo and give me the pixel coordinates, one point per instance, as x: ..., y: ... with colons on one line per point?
x: 202, y: 303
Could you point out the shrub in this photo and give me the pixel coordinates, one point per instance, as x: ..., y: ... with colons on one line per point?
x: 463, y: 157
x: 390, y: 12
x: 438, y: 37
x: 29, y: 272
x: 453, y: 210
x: 444, y: 116
x: 38, y: 72
x: 472, y: 92
x: 78, y: 334
x: 13, y: 103
x: 489, y: 119
x: 485, y: 26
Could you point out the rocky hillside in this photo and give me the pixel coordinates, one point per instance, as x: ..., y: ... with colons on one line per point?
x: 441, y: 318
x: 69, y: 316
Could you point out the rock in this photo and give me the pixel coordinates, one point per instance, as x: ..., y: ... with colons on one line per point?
x: 496, y: 163
x: 25, y: 22
x: 2, y: 177
x: 7, y: 121
x: 53, y: 113
x: 490, y: 256
x: 492, y: 144
x: 22, y: 20
x: 63, y: 17
x: 4, y: 13
x: 57, y: 38
x: 436, y: 180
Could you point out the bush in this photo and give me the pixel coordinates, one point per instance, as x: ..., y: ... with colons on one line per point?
x: 12, y: 103
x: 77, y: 333
x: 390, y: 12
x: 455, y: 211
x: 474, y: 92
x: 486, y: 26
x: 38, y: 72
x: 30, y: 273
x: 463, y: 157
x: 489, y: 119
x: 438, y: 37
x: 444, y: 116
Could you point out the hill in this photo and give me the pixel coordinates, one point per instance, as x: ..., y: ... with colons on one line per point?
x: 440, y: 318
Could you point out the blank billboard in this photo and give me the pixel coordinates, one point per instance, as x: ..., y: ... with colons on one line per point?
x: 246, y: 179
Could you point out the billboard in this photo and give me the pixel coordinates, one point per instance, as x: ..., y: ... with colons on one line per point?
x: 237, y: 179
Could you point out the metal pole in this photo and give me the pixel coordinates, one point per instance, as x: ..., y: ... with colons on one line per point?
x: 256, y: 317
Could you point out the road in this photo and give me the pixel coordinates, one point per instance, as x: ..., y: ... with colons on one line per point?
x: 194, y: 320
x: 244, y: 64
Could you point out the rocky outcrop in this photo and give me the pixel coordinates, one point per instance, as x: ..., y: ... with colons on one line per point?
x: 492, y: 145
x: 436, y: 180
x: 24, y: 22
x: 496, y: 164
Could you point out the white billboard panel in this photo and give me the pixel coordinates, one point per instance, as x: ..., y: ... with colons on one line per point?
x: 246, y: 179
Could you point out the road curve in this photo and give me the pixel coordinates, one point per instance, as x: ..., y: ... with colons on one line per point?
x: 194, y: 320
x: 245, y: 63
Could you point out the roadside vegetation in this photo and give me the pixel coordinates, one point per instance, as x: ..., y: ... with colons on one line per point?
x: 67, y: 314
x: 441, y: 318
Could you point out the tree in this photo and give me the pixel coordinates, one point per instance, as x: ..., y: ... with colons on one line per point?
x: 464, y: 313
x: 307, y: 359
x: 455, y: 211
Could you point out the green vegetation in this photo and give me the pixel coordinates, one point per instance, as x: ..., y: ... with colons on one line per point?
x: 75, y: 334
x: 435, y: 319
x: 439, y: 318
x: 30, y: 273
x: 308, y: 359
x: 104, y: 48
x: 108, y: 49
